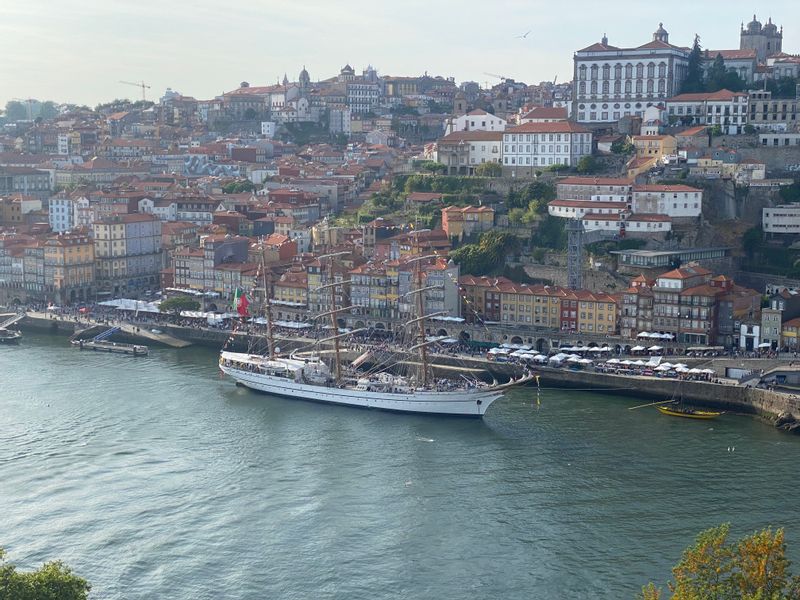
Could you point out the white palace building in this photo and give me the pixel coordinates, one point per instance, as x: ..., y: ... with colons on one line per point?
x: 610, y: 82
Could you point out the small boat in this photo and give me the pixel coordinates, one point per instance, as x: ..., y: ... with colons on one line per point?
x: 688, y: 413
x: 9, y: 336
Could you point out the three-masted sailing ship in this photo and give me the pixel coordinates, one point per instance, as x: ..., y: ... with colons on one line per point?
x: 306, y: 376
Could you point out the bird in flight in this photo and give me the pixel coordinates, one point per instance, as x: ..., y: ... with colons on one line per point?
x: 524, y: 35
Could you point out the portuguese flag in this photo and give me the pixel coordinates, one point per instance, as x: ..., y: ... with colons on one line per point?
x: 240, y: 303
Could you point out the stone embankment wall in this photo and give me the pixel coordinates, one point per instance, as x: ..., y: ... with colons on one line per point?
x: 763, y: 403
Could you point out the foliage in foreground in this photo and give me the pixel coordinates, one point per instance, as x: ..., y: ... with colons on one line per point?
x: 52, y: 581
x: 714, y: 568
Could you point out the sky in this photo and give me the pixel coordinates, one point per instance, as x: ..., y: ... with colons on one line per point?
x: 79, y: 50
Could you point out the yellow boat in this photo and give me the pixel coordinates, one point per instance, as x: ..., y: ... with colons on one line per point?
x: 688, y: 413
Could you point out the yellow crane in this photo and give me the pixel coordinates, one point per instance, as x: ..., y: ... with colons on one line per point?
x: 140, y: 84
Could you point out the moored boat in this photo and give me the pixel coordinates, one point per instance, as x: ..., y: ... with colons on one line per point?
x: 688, y: 413
x: 10, y: 336
x: 307, y: 377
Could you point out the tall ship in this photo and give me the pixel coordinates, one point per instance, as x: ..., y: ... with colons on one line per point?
x: 307, y: 376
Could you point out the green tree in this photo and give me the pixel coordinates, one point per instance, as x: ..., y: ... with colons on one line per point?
x: 489, y: 169
x: 587, y: 164
x: 714, y: 568
x: 784, y: 87
x: 488, y: 255
x: 16, y: 111
x: 694, y: 70
x: 790, y: 193
x: 551, y: 233
x: 177, y: 304
x: 48, y: 110
x: 237, y: 187
x: 52, y: 581
x: 622, y: 147
x: 431, y: 166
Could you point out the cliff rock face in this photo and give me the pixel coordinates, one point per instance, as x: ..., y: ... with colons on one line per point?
x: 725, y: 202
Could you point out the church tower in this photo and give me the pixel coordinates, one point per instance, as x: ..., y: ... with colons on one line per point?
x: 765, y: 40
x: 460, y: 104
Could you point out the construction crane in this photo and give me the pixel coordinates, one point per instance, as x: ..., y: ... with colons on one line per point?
x: 141, y: 84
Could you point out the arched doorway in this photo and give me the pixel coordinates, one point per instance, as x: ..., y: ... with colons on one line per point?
x: 542, y: 345
x: 340, y: 323
x: 516, y: 340
x: 463, y: 336
x: 359, y: 324
x: 442, y: 332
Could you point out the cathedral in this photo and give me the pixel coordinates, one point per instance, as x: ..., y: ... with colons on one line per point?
x: 765, y: 40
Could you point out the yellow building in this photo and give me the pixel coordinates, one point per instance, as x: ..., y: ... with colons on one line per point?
x: 290, y: 294
x: 69, y: 267
x: 459, y: 222
x: 654, y: 146
x: 790, y: 332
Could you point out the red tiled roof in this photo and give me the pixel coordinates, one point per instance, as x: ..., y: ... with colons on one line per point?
x: 547, y: 112
x: 650, y: 217
x: 587, y: 204
x: 703, y: 96
x: 473, y: 136
x: 731, y: 54
x: 664, y: 188
x: 595, y: 181
x: 553, y: 127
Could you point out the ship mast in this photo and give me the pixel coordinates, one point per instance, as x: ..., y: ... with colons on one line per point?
x: 334, y: 324
x: 333, y: 311
x: 267, y: 306
x: 423, y: 348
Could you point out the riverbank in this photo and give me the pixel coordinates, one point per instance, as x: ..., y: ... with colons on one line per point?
x: 779, y: 409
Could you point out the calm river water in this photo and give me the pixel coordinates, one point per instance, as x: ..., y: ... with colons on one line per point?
x: 154, y: 478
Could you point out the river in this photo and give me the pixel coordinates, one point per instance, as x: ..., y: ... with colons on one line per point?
x: 154, y: 478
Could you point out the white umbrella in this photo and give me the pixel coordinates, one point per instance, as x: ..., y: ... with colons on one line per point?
x: 681, y: 369
x: 663, y: 367
x: 626, y: 362
x: 639, y: 363
x: 695, y: 371
x: 638, y: 348
x: 764, y: 345
x: 612, y: 361
x: 668, y: 365
x: 654, y: 348
x: 585, y: 361
x: 709, y: 371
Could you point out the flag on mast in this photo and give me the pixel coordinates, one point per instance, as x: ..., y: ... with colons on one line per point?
x: 242, y: 304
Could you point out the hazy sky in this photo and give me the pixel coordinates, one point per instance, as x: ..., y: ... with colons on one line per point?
x: 78, y: 50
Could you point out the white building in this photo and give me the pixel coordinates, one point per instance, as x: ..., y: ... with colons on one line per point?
x: 476, y: 120
x: 268, y: 129
x: 777, y: 140
x: 576, y: 209
x: 63, y: 214
x: 610, y: 83
x: 463, y: 151
x: 644, y: 223
x: 781, y: 219
x: 724, y: 108
x: 675, y: 201
x: 545, y: 144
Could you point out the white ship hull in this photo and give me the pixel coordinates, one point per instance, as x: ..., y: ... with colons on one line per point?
x: 471, y: 403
